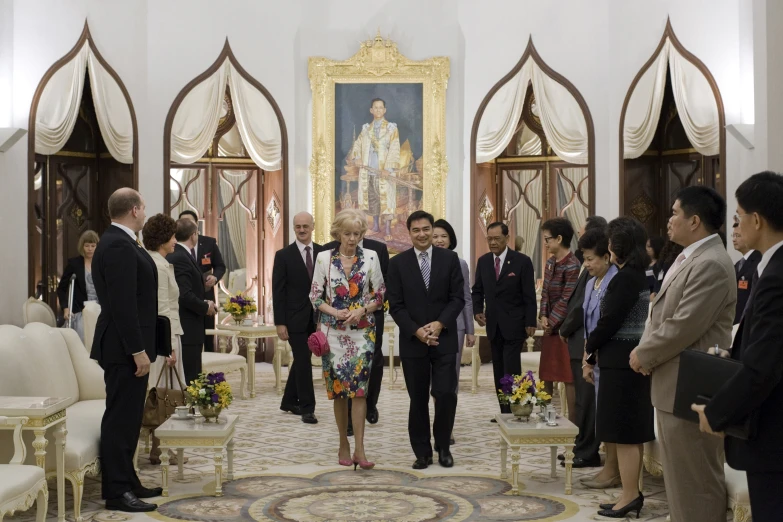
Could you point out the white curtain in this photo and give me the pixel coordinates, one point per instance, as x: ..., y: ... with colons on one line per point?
x: 112, y: 111
x: 195, y: 192
x: 528, y: 143
x: 501, y: 116
x: 524, y: 217
x: 198, y: 117
x: 235, y: 216
x: 561, y: 116
x: 576, y: 211
x: 257, y: 122
x: 696, y: 105
x: 58, y: 108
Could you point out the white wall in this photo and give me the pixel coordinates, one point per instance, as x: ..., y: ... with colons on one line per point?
x: 158, y: 46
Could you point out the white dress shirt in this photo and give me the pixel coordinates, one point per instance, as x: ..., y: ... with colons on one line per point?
x: 502, y: 258
x: 767, y: 256
x: 128, y: 231
x: 690, y: 249
x: 187, y: 249
x: 429, y: 256
x: 748, y: 254
x: 301, y: 246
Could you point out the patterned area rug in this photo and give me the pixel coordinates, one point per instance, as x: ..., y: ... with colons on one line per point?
x: 376, y: 495
x: 287, y: 470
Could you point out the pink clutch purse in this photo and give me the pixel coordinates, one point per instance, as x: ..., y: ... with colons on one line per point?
x: 318, y: 344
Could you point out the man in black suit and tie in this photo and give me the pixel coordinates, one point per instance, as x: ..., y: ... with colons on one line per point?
x: 210, y: 262
x: 572, y: 330
x: 426, y: 294
x: 126, y: 282
x: 745, y: 268
x: 193, y: 303
x: 292, y: 276
x: 376, y: 372
x: 505, y: 282
x: 756, y: 391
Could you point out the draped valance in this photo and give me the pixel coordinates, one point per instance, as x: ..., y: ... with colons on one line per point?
x: 198, y: 117
x: 561, y: 116
x: 58, y: 108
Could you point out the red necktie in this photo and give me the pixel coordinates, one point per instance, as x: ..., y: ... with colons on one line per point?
x: 497, y: 268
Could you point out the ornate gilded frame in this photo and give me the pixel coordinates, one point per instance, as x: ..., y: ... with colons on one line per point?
x: 378, y: 61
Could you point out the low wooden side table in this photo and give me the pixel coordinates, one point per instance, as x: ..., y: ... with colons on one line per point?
x: 180, y: 434
x: 251, y: 333
x: 45, y: 413
x: 533, y: 433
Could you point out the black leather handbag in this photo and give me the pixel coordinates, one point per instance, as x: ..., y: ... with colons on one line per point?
x: 163, y: 336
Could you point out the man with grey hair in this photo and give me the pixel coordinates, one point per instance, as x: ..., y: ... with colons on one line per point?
x: 292, y: 276
x: 126, y: 282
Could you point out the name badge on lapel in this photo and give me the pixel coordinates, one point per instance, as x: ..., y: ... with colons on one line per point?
x: 206, y: 260
x: 742, y: 284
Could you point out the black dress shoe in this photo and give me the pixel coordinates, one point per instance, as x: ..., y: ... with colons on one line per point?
x: 143, y: 492
x: 635, y: 505
x: 422, y: 463
x: 451, y: 441
x: 444, y: 458
x: 291, y: 408
x: 309, y: 418
x: 494, y: 420
x: 372, y: 416
x: 579, y: 462
x: 561, y: 457
x: 350, y: 429
x: 606, y: 506
x: 129, y: 503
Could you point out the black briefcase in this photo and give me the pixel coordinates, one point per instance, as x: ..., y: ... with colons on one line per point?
x: 163, y: 336
x: 701, y: 376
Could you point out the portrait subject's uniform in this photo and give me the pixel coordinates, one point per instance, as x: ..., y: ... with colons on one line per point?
x: 378, y: 148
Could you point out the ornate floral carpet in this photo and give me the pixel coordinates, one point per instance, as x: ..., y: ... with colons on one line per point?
x: 287, y: 471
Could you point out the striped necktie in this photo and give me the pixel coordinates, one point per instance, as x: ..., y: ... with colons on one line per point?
x: 425, y: 269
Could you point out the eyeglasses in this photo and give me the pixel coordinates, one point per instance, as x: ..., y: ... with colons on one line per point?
x: 547, y: 238
x: 737, y: 218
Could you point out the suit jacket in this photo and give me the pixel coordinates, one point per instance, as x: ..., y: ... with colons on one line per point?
x: 192, y: 296
x: 465, y: 318
x: 510, y: 300
x: 168, y: 294
x: 383, y: 257
x: 413, y: 305
x: 126, y: 282
x: 573, y: 326
x: 694, y: 309
x: 745, y: 282
x: 291, y: 289
x: 209, y: 257
x: 757, y: 389
x: 75, y: 265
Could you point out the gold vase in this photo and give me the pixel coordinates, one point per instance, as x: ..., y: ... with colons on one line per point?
x: 522, y: 412
x: 210, y: 412
x: 239, y: 318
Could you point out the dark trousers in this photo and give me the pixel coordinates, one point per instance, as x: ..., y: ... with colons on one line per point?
x: 299, y: 387
x: 376, y: 373
x: 209, y: 341
x: 505, y: 361
x: 766, y: 501
x: 584, y: 411
x: 120, y: 427
x: 191, y: 361
x: 438, y: 374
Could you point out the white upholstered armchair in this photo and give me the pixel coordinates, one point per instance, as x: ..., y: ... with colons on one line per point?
x: 21, y: 485
x: 35, y: 311
x: 220, y: 361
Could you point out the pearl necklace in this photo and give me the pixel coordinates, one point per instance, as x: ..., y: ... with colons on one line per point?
x: 598, y: 282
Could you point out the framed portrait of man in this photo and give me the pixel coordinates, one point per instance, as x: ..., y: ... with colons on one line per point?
x: 378, y: 139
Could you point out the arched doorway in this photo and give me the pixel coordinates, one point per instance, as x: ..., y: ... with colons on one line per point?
x: 538, y: 162
x: 231, y: 169
x: 82, y: 146
x: 672, y: 134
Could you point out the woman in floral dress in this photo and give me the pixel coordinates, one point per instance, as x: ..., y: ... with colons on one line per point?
x: 347, y: 288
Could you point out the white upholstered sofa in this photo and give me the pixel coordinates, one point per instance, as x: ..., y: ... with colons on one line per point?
x: 41, y: 361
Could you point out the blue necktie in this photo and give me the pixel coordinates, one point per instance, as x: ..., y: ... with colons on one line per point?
x: 425, y: 269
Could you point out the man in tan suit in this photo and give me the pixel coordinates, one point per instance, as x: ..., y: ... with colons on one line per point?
x: 693, y: 310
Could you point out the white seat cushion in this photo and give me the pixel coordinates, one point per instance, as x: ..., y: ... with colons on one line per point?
x: 736, y: 485
x: 225, y: 361
x: 16, y: 479
x: 84, y: 433
x: 530, y: 361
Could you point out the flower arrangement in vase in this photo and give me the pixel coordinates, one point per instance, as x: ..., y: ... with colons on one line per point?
x: 522, y: 393
x: 240, y: 306
x: 211, y: 393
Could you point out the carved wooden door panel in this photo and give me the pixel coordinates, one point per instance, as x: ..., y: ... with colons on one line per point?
x: 642, y: 195
x: 485, y: 205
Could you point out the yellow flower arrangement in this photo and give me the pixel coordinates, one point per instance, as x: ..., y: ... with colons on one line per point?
x: 522, y: 389
x: 210, y: 390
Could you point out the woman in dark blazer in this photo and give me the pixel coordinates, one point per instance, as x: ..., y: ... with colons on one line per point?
x: 83, y: 290
x: 625, y: 414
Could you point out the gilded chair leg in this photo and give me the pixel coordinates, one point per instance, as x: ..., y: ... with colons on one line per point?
x: 77, y: 483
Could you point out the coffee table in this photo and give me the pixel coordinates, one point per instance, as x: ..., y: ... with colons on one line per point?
x: 179, y: 434
x: 533, y: 433
x: 251, y: 333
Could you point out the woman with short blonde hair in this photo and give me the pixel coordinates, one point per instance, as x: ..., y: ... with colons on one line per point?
x: 83, y: 289
x: 347, y: 288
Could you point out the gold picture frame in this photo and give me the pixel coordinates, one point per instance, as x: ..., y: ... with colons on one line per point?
x: 378, y: 62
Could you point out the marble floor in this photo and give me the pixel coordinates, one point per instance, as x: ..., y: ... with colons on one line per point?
x: 287, y: 470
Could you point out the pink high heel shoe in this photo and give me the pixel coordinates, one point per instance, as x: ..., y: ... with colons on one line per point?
x: 362, y: 463
x: 344, y: 462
